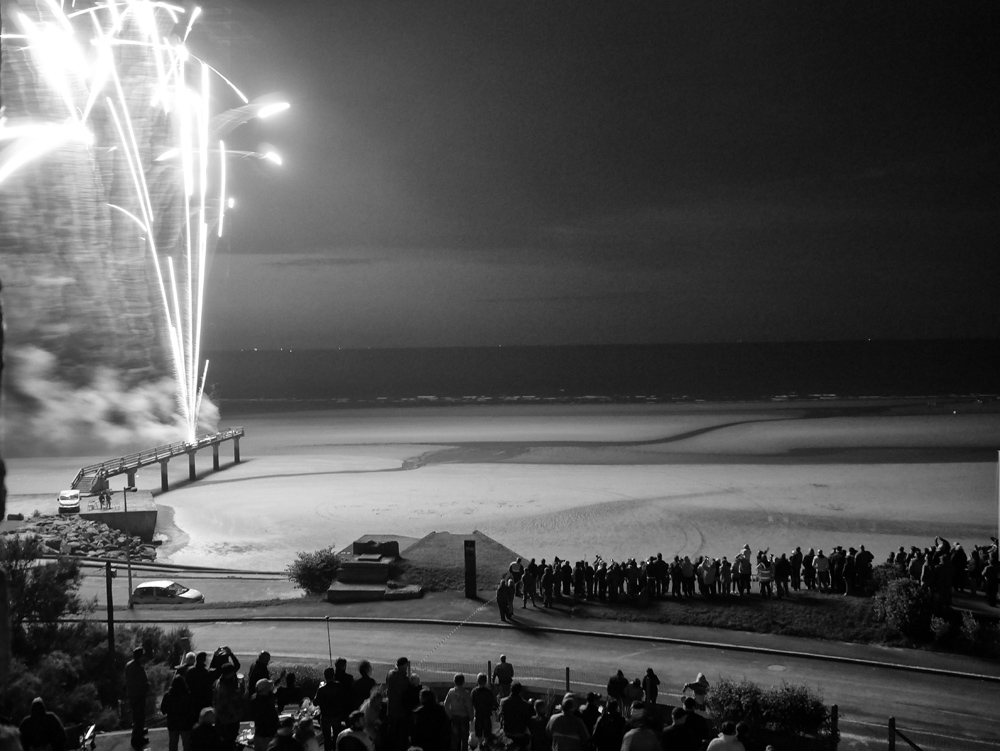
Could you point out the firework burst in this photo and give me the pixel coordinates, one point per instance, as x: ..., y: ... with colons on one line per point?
x: 167, y: 126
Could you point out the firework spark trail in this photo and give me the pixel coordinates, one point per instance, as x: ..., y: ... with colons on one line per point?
x: 65, y: 60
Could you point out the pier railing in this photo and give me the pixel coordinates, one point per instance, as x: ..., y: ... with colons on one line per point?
x: 129, y: 463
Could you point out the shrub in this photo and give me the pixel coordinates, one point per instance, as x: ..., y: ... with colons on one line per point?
x: 940, y: 629
x: 971, y: 628
x: 905, y: 607
x: 885, y: 573
x: 307, y: 677
x: 314, y: 572
x: 786, y: 708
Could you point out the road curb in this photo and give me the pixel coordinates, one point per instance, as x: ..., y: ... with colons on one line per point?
x: 607, y: 634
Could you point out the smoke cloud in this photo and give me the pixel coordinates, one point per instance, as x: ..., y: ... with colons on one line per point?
x: 51, y: 410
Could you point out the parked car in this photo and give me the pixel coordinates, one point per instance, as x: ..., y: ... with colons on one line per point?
x: 69, y: 501
x: 165, y: 592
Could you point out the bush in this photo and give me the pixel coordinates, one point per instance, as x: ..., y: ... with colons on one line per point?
x: 940, y: 629
x: 307, y: 677
x: 314, y: 572
x: 905, y: 607
x: 885, y: 573
x: 785, y: 708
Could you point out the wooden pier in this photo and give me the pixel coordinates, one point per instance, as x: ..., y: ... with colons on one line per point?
x: 94, y: 478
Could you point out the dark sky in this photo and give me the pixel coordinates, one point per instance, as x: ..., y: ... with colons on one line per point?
x: 484, y: 173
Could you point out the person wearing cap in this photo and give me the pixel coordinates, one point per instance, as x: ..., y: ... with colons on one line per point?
x: 354, y: 737
x: 727, y: 740
x: 263, y: 714
x: 284, y: 738
x: 259, y: 670
x: 137, y: 687
x: 503, y: 677
x: 567, y: 731
x: 397, y: 685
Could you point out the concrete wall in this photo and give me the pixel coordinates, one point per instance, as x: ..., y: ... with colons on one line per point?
x: 141, y: 519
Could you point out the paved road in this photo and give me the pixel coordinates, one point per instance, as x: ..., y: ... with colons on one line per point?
x: 931, y: 709
x: 216, y: 587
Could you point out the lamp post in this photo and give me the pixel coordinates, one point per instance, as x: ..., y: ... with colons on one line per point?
x: 128, y: 546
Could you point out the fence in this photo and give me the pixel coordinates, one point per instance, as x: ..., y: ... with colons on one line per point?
x: 894, y: 731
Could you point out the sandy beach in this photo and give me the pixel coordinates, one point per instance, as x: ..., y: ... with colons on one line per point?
x: 576, y: 480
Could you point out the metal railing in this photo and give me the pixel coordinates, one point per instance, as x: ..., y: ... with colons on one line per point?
x: 150, y: 456
x: 894, y: 731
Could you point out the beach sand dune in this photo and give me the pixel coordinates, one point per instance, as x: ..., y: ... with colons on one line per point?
x: 575, y: 481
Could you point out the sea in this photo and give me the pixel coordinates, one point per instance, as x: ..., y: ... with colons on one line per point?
x: 332, y: 378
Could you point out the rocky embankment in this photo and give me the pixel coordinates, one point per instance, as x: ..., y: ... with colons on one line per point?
x: 73, y: 535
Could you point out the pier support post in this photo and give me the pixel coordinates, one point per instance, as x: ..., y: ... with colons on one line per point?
x: 215, y: 456
x: 131, y: 478
x: 164, y: 484
x: 236, y: 449
x: 191, y: 473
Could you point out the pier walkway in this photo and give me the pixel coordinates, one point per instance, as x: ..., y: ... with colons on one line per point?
x: 93, y: 479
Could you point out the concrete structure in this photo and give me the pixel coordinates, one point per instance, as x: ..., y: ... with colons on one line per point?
x: 94, y: 478
x: 140, y: 520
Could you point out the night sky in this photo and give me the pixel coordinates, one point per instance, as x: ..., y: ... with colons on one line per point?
x: 502, y: 173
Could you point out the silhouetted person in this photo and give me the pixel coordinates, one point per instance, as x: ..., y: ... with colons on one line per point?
x: 42, y: 729
x: 137, y: 688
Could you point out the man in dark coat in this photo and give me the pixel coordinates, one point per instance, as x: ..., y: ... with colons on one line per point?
x: 259, y: 670
x: 431, y: 725
x: 137, y: 688
x: 515, y: 714
x: 41, y: 729
x: 200, y: 682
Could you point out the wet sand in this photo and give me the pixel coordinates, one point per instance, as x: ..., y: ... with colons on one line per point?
x: 577, y: 480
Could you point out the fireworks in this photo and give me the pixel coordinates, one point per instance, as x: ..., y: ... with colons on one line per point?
x: 162, y: 123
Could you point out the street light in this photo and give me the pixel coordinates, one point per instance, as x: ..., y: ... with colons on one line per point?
x: 128, y: 546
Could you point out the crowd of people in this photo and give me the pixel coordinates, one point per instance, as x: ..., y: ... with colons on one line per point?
x: 940, y: 567
x: 207, y: 700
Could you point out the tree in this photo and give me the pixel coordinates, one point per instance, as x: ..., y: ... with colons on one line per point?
x: 314, y: 572
x: 38, y: 590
